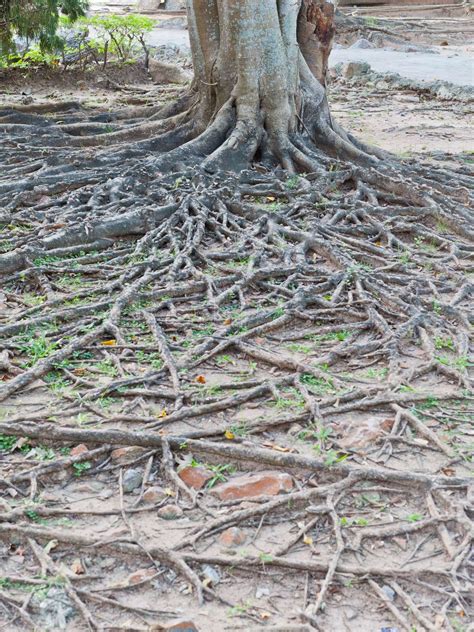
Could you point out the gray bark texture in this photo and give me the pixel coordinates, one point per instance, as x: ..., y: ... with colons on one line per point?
x: 259, y: 86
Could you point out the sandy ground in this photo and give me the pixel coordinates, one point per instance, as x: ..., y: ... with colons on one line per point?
x: 406, y: 123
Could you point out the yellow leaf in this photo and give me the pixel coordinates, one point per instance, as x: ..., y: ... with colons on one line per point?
x: 108, y: 343
x: 228, y: 321
x: 229, y: 434
x: 162, y: 413
x: 271, y: 198
x: 169, y: 492
x: 308, y: 540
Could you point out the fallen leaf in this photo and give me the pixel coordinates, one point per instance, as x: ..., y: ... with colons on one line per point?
x: 308, y: 540
x: 271, y: 198
x: 228, y: 321
x: 77, y: 567
x: 278, y: 448
x: 265, y: 615
x: 201, y: 379
x: 447, y: 471
x: 229, y: 434
x: 108, y: 343
x: 162, y: 413
x: 52, y: 544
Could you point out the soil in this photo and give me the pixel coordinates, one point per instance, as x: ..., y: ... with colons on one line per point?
x: 406, y: 542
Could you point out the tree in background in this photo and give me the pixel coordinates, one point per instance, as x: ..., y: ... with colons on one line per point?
x: 36, y: 19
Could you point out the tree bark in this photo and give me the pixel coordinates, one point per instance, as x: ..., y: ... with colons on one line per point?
x: 259, y: 87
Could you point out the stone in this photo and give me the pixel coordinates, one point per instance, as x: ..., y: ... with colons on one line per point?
x: 295, y: 429
x: 355, y: 69
x: 362, y: 434
x: 154, y: 495
x: 170, y: 512
x: 124, y: 455
x: 262, y: 591
x: 131, y: 480
x: 179, y: 625
x: 140, y: 576
x: 162, y: 72
x: 362, y: 43
x: 351, y: 614
x: 211, y: 575
x: 232, y: 537
x: 253, y: 485
x: 390, y: 593
x: 79, y: 449
x: 195, y: 477
x: 56, y: 609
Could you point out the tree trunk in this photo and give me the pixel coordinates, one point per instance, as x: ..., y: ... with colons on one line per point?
x: 260, y: 68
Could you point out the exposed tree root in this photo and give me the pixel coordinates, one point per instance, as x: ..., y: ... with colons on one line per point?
x: 168, y: 304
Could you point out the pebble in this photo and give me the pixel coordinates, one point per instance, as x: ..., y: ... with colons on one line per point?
x: 211, y: 574
x: 253, y: 485
x: 389, y: 592
x: 154, y: 495
x: 232, y: 537
x: 170, y: 512
x: 131, y: 480
x: 195, y: 477
x: 79, y: 449
x: 262, y: 591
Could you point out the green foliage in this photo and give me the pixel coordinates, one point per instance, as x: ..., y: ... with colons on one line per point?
x: 61, y: 33
x: 80, y: 468
x: 36, y: 20
x: 121, y: 35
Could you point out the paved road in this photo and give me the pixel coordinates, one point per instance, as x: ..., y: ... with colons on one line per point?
x: 420, y: 66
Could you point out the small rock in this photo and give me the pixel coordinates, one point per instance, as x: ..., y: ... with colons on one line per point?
x: 232, y: 537
x: 295, y: 429
x: 355, y: 69
x: 162, y: 72
x: 351, y: 614
x: 79, y: 449
x: 362, y: 43
x: 389, y: 592
x: 180, y: 626
x: 195, y: 477
x: 131, y: 480
x: 253, y: 485
x: 124, y: 455
x: 262, y: 591
x: 56, y: 609
x: 211, y: 575
x: 154, y: 495
x: 170, y: 512
x: 140, y: 576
